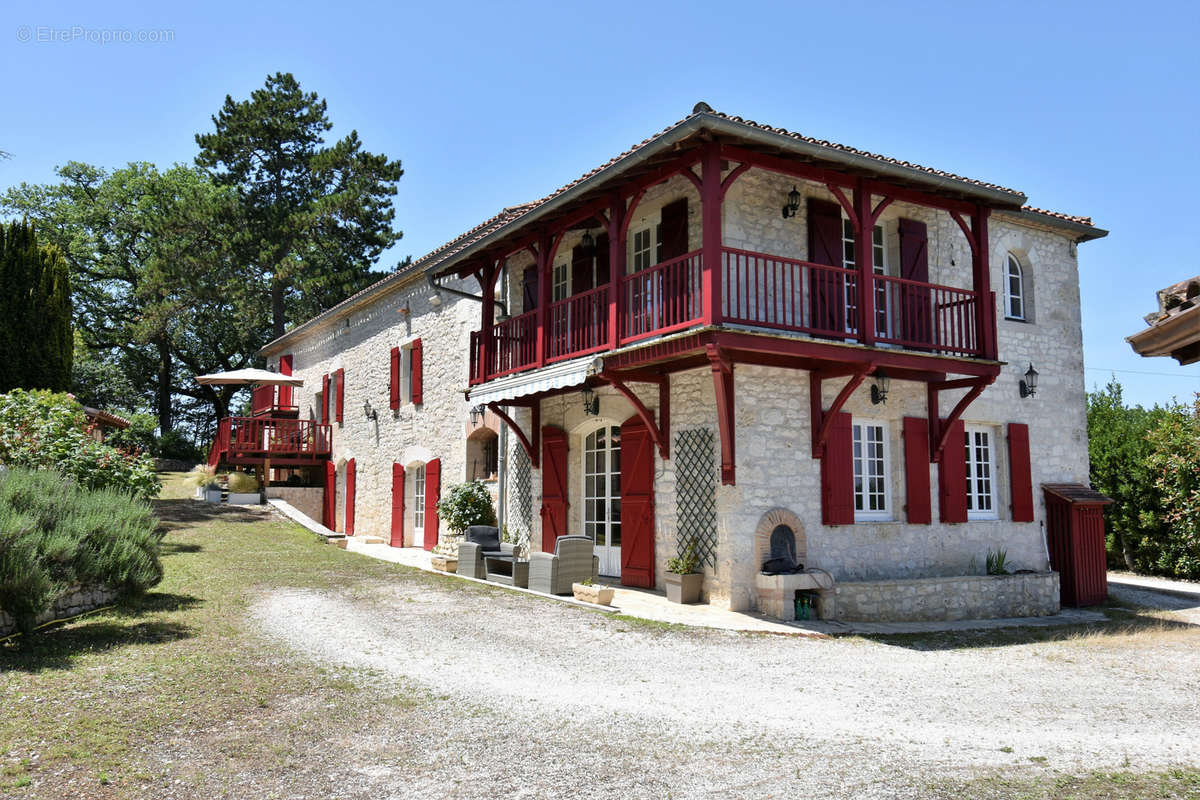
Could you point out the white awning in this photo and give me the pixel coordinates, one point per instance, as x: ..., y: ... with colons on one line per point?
x: 246, y: 377
x: 555, y: 376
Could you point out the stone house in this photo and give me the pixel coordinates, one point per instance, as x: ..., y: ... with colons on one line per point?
x: 737, y: 338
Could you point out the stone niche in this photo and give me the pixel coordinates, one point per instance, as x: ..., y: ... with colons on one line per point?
x: 777, y: 593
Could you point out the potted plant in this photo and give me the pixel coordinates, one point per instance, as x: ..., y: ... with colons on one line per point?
x: 204, y: 479
x: 588, y: 591
x: 461, y: 506
x: 683, y: 581
x: 243, y: 489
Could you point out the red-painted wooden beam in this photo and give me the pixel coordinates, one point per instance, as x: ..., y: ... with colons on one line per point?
x: 822, y: 420
x: 737, y: 172
x: 530, y: 444
x: 722, y: 372
x: 939, y: 430
x: 659, y: 433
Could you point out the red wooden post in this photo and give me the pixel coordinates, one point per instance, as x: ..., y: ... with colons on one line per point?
x: 864, y: 259
x: 487, y: 333
x: 616, y: 267
x: 981, y: 282
x: 545, y: 279
x: 710, y: 197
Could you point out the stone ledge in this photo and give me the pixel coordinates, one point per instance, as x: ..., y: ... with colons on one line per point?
x: 75, y: 601
x: 946, y: 599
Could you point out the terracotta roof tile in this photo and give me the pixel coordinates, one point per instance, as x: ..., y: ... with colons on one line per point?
x: 1059, y: 215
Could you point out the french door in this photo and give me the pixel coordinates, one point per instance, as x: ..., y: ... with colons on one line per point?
x: 602, y: 496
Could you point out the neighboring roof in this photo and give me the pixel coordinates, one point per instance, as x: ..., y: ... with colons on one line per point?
x: 702, y: 118
x: 104, y: 418
x: 1175, y: 327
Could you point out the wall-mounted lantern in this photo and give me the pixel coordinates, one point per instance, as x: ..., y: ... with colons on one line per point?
x: 477, y: 413
x: 793, y: 203
x: 369, y: 412
x: 879, y: 387
x: 591, y: 403
x: 587, y: 242
x: 1029, y: 384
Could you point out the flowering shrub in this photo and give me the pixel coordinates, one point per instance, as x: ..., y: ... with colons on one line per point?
x: 466, y: 504
x: 45, y: 430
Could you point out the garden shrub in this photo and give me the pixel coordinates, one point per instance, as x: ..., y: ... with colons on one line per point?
x: 466, y: 504
x: 47, y: 430
x: 55, y: 533
x: 242, y: 483
x: 1175, y: 462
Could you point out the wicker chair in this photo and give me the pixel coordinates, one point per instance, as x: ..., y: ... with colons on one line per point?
x: 479, y: 542
x: 571, y: 562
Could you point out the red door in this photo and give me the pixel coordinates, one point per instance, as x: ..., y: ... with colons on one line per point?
x: 350, y: 497
x: 637, y: 504
x: 554, y: 486
x: 433, y: 491
x: 328, y: 512
x: 285, y: 392
x: 397, y: 505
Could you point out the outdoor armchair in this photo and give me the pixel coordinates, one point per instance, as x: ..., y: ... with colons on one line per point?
x: 571, y: 562
x: 479, y: 542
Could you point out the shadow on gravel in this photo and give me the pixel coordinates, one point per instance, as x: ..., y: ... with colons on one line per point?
x: 57, y: 648
x: 1124, y: 628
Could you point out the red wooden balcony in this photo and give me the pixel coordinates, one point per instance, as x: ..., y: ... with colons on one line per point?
x: 275, y: 401
x: 757, y: 291
x: 285, y: 442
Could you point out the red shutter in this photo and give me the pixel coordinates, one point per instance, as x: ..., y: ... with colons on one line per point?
x: 827, y: 301
x: 916, y: 470
x: 529, y: 289
x: 329, y: 509
x: 637, y: 504
x: 350, y: 497
x: 324, y: 399
x: 394, y: 385
x: 837, y: 474
x: 581, y: 269
x: 1020, y: 478
x: 952, y: 476
x: 602, y: 256
x: 916, y: 325
x: 397, y: 505
x: 340, y: 377
x: 433, y: 491
x: 554, y: 486
x: 416, y: 390
x: 285, y: 392
x: 675, y: 229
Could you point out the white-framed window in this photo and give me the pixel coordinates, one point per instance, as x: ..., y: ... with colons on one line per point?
x: 560, y: 284
x: 1014, y: 289
x: 646, y: 247
x: 419, y: 498
x: 878, y: 251
x: 981, y: 473
x: 872, y: 493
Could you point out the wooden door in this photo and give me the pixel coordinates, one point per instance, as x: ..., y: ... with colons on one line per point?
x: 433, y: 492
x: 350, y: 477
x: 637, y: 504
x: 397, y: 539
x: 329, y: 511
x: 554, y: 486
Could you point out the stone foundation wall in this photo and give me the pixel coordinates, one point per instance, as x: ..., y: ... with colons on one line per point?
x: 937, y: 599
x: 307, y: 500
x: 76, y: 600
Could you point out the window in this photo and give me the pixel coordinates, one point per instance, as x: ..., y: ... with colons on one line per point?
x: 981, y: 486
x: 879, y: 259
x: 419, y: 498
x: 646, y: 251
x: 1014, y: 289
x: 872, y: 499
x: 560, y: 282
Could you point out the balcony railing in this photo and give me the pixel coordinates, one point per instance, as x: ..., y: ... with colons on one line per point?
x: 272, y: 400
x: 758, y: 290
x: 264, y: 437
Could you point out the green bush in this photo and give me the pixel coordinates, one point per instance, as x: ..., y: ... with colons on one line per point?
x: 1175, y: 462
x: 242, y: 483
x: 54, y: 533
x: 45, y: 430
x: 466, y: 504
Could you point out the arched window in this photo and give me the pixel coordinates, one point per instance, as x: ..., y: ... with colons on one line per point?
x: 1015, y: 300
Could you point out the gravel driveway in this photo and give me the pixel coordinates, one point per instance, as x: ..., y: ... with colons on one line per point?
x: 538, y: 699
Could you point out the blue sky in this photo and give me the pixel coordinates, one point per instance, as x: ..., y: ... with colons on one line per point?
x: 1088, y: 108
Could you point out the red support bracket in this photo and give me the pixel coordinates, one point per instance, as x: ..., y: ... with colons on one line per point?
x: 966, y: 229
x: 532, y: 448
x: 822, y: 420
x: 939, y: 429
x: 722, y: 372
x: 660, y: 433
x: 733, y: 176
x: 846, y: 205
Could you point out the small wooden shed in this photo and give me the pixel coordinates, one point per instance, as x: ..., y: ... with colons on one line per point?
x: 1075, y: 536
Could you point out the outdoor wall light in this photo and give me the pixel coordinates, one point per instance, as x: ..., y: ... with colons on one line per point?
x: 591, y: 403
x: 1029, y: 385
x: 879, y: 387
x: 476, y: 414
x: 587, y: 242
x: 793, y: 203
x: 369, y: 412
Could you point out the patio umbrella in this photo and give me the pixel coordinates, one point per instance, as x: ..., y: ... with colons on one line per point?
x: 245, y: 377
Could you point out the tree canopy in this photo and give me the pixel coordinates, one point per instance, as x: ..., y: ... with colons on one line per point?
x: 36, y: 344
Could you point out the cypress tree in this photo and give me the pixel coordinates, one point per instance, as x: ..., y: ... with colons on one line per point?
x: 36, y: 342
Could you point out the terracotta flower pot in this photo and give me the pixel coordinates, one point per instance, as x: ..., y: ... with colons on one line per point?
x: 596, y: 595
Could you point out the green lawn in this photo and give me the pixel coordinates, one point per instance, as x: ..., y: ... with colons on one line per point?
x: 174, y: 693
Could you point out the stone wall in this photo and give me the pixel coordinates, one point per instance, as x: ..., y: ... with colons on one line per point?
x: 308, y: 500
x: 937, y: 599
x: 76, y: 600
